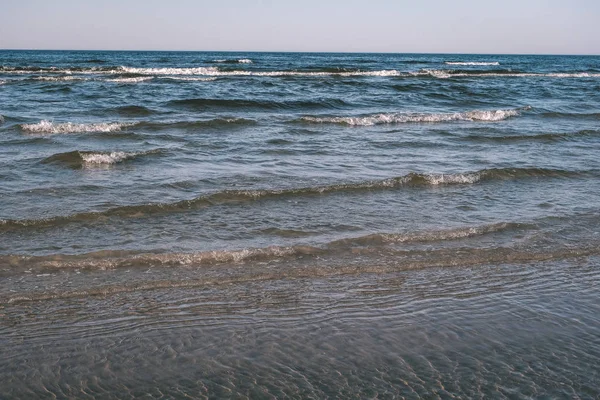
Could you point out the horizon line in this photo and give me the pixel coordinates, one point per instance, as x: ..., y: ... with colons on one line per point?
x: 306, y: 52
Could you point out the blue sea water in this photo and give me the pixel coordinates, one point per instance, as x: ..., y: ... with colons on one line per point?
x: 299, y: 225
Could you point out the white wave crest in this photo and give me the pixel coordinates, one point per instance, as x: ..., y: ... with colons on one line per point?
x: 58, y: 78
x: 445, y: 74
x: 132, y: 80
x: 445, y: 179
x: 192, y: 79
x: 472, y: 63
x: 1, y: 119
x: 212, y: 71
x: 106, y: 158
x: 398, y: 118
x: 171, y: 71
x: 2, y: 82
x: 245, y: 61
x: 45, y: 126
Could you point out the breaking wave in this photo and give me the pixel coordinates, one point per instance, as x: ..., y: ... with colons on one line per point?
x: 399, y: 118
x: 82, y: 159
x: 67, y: 78
x: 243, y: 196
x: 46, y: 126
x: 132, y: 79
x: 233, y: 61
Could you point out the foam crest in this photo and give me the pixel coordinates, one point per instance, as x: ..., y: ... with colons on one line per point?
x: 192, y: 79
x: 106, y: 158
x: 46, y: 126
x: 136, y: 79
x: 399, y: 118
x: 479, y: 63
x: 171, y: 71
x: 212, y: 71
x: 67, y: 78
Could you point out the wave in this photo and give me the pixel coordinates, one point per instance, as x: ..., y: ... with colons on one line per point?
x: 57, y: 70
x: 428, y: 236
x: 1, y: 119
x: 323, y: 262
x: 83, y: 159
x: 212, y: 71
x: 67, y: 78
x: 203, y: 104
x: 191, y: 79
x: 446, y: 74
x: 133, y: 111
x: 137, y: 79
x: 399, y: 118
x: 209, y: 123
x: 479, y: 63
x: 320, y: 72
x: 233, y: 61
x: 46, y: 126
x: 243, y: 196
x: 535, y: 137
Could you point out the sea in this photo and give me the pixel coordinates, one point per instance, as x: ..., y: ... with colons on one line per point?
x: 179, y: 225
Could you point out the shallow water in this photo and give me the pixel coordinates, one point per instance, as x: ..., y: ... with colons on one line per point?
x: 300, y: 225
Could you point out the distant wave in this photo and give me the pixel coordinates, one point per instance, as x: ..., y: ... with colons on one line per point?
x: 1, y: 119
x: 316, y: 72
x: 212, y: 71
x: 66, y: 78
x: 451, y: 73
x: 398, y: 118
x: 82, y: 159
x: 137, y: 79
x: 208, y: 123
x: 202, y: 104
x: 233, y: 61
x: 45, y: 126
x: 472, y: 63
x: 242, y: 196
x: 192, y: 79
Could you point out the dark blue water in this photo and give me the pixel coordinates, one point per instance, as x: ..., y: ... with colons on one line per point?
x: 302, y: 225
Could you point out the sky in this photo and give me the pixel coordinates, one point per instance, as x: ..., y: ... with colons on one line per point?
x: 433, y: 26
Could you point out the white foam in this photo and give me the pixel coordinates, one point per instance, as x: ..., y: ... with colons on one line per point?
x: 212, y: 71
x: 445, y: 74
x: 446, y: 179
x: 396, y: 118
x: 132, y: 80
x: 106, y: 158
x: 192, y: 79
x: 171, y: 71
x: 472, y: 63
x: 245, y: 61
x: 45, y: 126
x: 2, y: 82
x: 58, y: 78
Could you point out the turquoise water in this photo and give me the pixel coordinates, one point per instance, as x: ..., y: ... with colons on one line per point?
x: 298, y: 225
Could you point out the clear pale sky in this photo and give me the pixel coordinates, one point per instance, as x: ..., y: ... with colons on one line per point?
x: 451, y: 26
